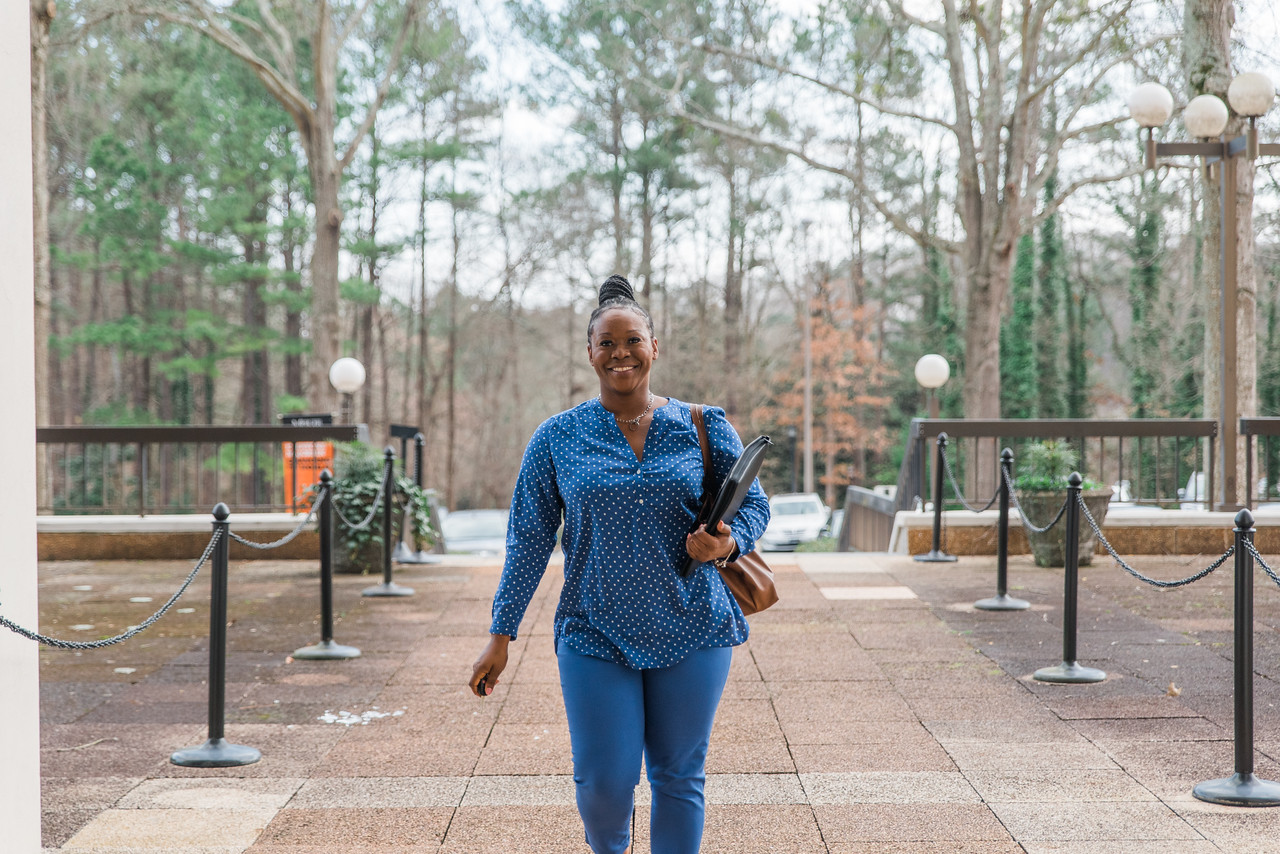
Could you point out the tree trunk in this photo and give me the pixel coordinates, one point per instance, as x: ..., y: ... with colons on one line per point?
x: 326, y: 332
x: 732, y: 299
x: 1207, y: 62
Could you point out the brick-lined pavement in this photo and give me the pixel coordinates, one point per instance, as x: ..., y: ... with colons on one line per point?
x: 874, y: 710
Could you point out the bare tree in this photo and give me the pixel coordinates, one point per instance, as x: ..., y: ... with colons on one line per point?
x: 1000, y: 61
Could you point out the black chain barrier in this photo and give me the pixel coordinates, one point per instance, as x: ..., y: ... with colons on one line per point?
x: 58, y: 643
x: 1027, y: 523
x: 955, y: 487
x: 1097, y: 531
x: 1253, y: 550
x: 377, y: 502
x: 287, y: 538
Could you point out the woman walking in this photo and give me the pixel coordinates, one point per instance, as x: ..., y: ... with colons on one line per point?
x: 643, y: 653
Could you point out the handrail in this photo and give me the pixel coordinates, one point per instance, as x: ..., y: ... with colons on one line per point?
x: 1262, y: 426
x: 1064, y: 428
x: 191, y: 433
x: 1112, y: 437
x: 172, y: 468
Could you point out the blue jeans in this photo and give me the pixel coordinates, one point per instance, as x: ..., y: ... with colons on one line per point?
x: 615, y: 714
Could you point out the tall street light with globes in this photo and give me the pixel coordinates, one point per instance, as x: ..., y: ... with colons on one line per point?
x: 1205, y: 116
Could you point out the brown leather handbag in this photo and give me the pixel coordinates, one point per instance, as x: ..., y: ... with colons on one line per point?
x: 748, y: 577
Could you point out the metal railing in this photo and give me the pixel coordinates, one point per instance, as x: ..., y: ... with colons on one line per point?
x: 179, y: 469
x: 1148, y: 460
x: 1267, y: 487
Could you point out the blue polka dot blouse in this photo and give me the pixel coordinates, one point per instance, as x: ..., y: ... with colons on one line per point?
x: 625, y: 522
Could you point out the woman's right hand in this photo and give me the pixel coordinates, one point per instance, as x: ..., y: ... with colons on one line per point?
x: 490, y: 664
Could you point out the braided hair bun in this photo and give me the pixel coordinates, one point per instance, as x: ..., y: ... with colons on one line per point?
x: 616, y: 292
x: 616, y: 288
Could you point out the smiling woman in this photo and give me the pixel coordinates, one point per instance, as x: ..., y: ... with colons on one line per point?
x: 643, y: 650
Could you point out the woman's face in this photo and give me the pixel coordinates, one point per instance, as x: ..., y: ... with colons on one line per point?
x: 622, y: 351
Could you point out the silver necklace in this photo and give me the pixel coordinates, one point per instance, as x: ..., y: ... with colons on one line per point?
x: 633, y: 424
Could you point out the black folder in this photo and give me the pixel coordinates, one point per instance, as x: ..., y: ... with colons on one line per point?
x: 729, y: 496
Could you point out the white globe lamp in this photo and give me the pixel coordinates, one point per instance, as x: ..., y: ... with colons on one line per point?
x: 1151, y: 105
x: 346, y: 375
x: 932, y: 371
x: 1206, y: 117
x: 1251, y: 94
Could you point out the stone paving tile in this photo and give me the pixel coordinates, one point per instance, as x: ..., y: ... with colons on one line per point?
x: 106, y: 750
x: 379, y: 792
x: 836, y: 731
x: 1151, y: 729
x: 211, y: 794
x: 535, y: 830
x: 754, y: 789
x: 909, y: 823
x: 523, y: 791
x: 341, y: 829
x: 881, y: 787
x: 1066, y: 785
x: 953, y: 847
x: 165, y: 830
x: 85, y: 792
x: 1131, y: 846
x: 782, y: 828
x: 1028, y: 756
x: 1003, y: 732
x: 835, y: 758
x: 1096, y: 821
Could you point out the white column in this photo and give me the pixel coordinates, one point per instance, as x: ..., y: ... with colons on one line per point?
x: 20, y: 708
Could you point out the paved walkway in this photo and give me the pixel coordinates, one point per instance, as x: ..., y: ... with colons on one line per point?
x: 873, y: 710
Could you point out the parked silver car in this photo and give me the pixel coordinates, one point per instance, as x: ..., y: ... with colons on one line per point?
x: 795, y: 518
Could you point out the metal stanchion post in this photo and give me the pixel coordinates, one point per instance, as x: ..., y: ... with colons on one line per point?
x: 326, y: 649
x: 936, y: 554
x: 1002, y: 601
x: 1070, y: 670
x: 217, y: 752
x: 419, y: 450
x: 1243, y: 788
x: 387, y: 587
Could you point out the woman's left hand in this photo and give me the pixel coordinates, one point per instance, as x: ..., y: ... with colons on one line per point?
x: 704, y: 546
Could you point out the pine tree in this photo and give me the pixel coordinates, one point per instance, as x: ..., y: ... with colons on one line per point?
x: 1018, y: 394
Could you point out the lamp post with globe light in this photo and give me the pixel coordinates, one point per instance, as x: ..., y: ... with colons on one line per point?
x: 346, y: 375
x: 1205, y: 116
x: 932, y: 372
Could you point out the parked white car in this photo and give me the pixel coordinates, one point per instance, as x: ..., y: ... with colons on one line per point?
x: 794, y: 518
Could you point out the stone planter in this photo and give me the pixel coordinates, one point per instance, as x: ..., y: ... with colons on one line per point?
x: 1049, y: 548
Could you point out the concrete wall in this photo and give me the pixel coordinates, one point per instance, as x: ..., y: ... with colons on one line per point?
x: 20, y: 709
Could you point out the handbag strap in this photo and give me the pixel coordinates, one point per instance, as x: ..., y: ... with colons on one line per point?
x: 708, y: 470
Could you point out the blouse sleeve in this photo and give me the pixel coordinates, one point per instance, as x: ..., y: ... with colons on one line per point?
x: 752, y: 517
x: 531, y: 534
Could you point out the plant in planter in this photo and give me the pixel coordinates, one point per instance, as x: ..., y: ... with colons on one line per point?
x: 1041, y: 485
x: 357, y: 477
